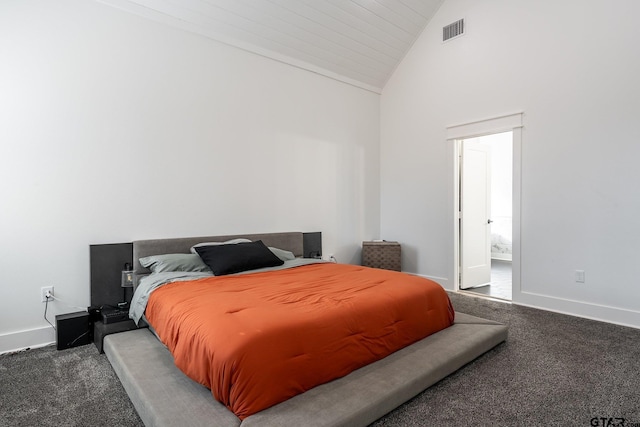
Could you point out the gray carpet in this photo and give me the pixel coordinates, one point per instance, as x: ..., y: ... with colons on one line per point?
x: 553, y: 370
x: 72, y: 388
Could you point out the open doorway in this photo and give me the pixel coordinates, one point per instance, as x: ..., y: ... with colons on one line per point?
x: 486, y: 214
x: 510, y: 123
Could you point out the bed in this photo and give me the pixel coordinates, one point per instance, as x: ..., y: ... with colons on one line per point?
x: 163, y: 395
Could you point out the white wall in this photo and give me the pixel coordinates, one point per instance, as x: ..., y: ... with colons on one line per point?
x: 572, y: 67
x: 115, y: 128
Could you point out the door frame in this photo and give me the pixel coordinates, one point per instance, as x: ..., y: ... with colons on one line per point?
x: 506, y: 123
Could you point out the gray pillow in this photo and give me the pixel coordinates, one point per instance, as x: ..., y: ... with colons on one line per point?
x: 174, y: 262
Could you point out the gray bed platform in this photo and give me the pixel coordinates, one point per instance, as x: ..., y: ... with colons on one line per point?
x: 164, y: 396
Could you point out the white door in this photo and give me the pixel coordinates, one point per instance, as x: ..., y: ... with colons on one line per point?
x: 475, y: 215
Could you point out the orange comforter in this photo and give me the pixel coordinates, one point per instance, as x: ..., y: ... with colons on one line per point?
x: 258, y: 339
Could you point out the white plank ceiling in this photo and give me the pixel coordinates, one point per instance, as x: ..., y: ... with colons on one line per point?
x: 359, y: 42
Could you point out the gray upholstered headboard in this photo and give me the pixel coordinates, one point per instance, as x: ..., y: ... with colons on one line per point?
x: 290, y: 241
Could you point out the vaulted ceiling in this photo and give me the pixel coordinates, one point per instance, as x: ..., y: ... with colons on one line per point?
x: 359, y: 42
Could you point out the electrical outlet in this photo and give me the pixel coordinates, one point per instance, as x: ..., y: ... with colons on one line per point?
x: 579, y: 276
x: 43, y: 293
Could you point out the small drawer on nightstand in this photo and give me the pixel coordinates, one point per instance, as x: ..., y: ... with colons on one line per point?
x: 382, y: 254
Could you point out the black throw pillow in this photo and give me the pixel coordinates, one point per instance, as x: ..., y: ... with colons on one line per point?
x: 237, y: 257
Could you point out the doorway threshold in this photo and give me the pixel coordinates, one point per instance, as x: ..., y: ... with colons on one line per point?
x: 483, y: 296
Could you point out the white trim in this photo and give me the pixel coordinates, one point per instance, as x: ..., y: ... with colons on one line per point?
x: 456, y: 147
x: 483, y: 127
x: 516, y: 201
x: 439, y: 280
x: 506, y: 123
x: 598, y: 312
x: 32, y: 338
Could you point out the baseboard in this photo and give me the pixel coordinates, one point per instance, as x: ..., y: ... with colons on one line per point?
x: 502, y: 257
x: 599, y: 312
x: 32, y: 338
x: 442, y: 281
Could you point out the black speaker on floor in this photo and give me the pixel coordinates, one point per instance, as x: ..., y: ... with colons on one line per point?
x: 312, y: 245
x: 72, y: 330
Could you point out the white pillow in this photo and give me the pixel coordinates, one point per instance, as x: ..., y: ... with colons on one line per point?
x: 282, y: 254
x: 228, y: 242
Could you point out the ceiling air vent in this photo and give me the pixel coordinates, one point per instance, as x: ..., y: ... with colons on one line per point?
x: 453, y: 30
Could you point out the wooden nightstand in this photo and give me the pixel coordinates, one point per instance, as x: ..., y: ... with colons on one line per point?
x: 381, y: 254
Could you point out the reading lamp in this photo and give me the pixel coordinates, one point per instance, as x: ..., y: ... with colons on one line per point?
x: 126, y: 282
